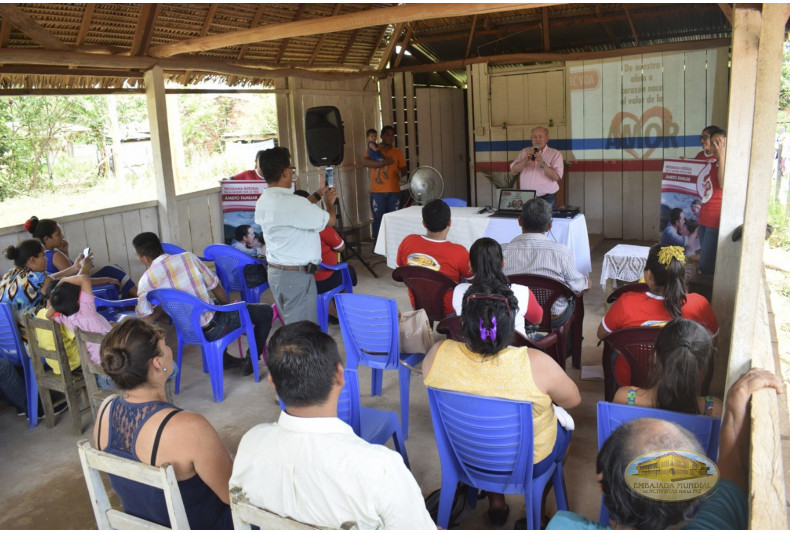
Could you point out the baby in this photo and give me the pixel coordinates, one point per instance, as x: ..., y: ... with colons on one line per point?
x: 374, y: 154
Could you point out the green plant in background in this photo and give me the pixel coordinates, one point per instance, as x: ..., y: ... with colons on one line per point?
x: 781, y: 223
x: 501, y: 180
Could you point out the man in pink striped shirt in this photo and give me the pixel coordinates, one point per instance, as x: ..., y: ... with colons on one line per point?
x: 187, y: 273
x: 539, y: 167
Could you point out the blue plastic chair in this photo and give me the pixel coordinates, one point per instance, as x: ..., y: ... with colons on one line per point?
x: 230, y: 264
x: 325, y: 297
x: 172, y: 249
x: 488, y: 444
x: 613, y: 415
x: 106, y: 291
x: 13, y: 349
x: 115, y: 310
x: 369, y: 325
x: 371, y: 425
x: 185, y: 310
x: 454, y: 202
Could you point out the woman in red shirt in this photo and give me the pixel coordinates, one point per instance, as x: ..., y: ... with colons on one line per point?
x: 711, y: 204
x: 665, y: 275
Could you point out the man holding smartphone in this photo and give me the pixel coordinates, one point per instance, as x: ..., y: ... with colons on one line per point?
x: 539, y: 167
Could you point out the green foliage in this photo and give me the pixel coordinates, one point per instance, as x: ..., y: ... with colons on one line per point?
x: 784, y: 86
x: 781, y: 223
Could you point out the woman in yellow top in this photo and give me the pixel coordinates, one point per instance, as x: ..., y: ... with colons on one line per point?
x: 485, y: 365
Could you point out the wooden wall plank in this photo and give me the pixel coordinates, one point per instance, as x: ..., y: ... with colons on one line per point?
x: 537, y: 99
x: 400, y: 112
x: 132, y: 226
x: 215, y: 215
x: 653, y: 131
x: 632, y: 154
x: 500, y: 100
x: 695, y: 96
x: 673, y: 92
x: 385, y: 86
x: 718, y: 88
x: 74, y: 231
x: 447, y: 141
x: 459, y: 150
x: 149, y: 219
x: 593, y: 129
x: 517, y: 98
x: 575, y: 178
x: 116, y: 241
x: 612, y: 105
x: 555, y: 104
x: 411, y: 126
x: 200, y: 222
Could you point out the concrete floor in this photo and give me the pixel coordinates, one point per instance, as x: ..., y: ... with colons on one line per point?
x: 43, y: 487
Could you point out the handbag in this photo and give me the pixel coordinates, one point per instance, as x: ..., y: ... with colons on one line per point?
x: 416, y: 335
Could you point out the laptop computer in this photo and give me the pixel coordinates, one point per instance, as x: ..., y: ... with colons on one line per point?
x: 511, y: 201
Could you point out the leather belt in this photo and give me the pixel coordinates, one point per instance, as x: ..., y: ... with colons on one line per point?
x: 309, y: 268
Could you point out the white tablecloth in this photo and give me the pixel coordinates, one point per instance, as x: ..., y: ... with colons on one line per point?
x: 625, y: 262
x: 466, y: 226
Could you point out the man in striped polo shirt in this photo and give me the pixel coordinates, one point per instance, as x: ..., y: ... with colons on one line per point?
x: 534, y: 253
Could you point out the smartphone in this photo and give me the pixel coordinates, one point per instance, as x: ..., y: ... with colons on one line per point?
x: 329, y: 177
x: 86, y: 251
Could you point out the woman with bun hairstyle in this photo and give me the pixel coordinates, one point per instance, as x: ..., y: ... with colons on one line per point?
x: 682, y: 357
x: 485, y: 257
x: 666, y: 299
x: 140, y: 425
x: 23, y: 286
x: 485, y: 365
x: 56, y: 247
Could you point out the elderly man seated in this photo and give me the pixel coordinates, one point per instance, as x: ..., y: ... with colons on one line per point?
x: 534, y: 253
x: 187, y: 273
x: 309, y: 465
x: 725, y: 508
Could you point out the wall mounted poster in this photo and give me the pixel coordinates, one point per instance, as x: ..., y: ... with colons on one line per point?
x: 684, y: 187
x: 238, y: 198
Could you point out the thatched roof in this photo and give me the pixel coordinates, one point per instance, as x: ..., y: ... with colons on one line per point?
x: 111, y: 45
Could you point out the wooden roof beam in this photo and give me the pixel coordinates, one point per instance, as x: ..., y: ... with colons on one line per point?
x: 631, y: 23
x: 52, y: 58
x: 145, y: 28
x: 727, y: 10
x: 376, y: 46
x: 5, y: 32
x: 508, y: 59
x: 212, y: 10
x: 256, y: 19
x: 390, y: 46
x: 25, y: 23
x: 85, y: 25
x: 545, y: 29
x: 605, y: 25
x: 349, y: 21
x: 404, y: 44
x: 321, y: 39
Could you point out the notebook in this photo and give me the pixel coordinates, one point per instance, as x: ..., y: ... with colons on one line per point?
x: 511, y: 201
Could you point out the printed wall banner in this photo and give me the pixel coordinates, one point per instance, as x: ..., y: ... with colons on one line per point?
x: 238, y: 199
x: 683, y: 190
x: 671, y: 475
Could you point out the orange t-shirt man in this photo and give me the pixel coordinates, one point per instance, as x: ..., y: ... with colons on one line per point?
x: 387, y: 178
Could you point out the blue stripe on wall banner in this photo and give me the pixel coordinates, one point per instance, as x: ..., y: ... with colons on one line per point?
x: 614, y: 143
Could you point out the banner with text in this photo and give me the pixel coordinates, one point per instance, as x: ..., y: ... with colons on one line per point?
x: 682, y: 190
x: 238, y: 199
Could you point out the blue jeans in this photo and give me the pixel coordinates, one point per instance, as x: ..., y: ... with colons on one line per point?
x: 709, y: 243
x: 551, y: 198
x: 380, y: 204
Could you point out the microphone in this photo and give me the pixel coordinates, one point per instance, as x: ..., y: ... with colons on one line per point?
x: 535, y: 150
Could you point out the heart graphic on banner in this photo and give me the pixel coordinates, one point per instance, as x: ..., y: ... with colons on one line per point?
x: 627, y: 125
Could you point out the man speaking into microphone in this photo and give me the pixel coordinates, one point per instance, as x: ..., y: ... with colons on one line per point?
x: 539, y: 167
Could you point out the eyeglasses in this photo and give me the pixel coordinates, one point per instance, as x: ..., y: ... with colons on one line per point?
x: 496, y: 297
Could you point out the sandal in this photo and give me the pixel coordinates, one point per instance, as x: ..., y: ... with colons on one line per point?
x: 498, y: 517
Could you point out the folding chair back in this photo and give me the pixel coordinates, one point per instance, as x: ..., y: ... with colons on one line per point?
x: 245, y: 515
x: 636, y: 346
x: 428, y: 288
x: 163, y: 477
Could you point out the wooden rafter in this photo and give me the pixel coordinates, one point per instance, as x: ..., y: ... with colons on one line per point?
x: 321, y: 39
x: 348, y: 21
x: 145, y: 28
x: 631, y: 23
x: 5, y: 32
x: 404, y: 44
x: 727, y: 10
x: 471, y: 37
x: 25, y: 23
x: 284, y: 43
x: 606, y: 28
x: 212, y: 10
x: 376, y: 46
x: 390, y: 46
x: 349, y: 44
x: 255, y: 21
x: 85, y: 24
x: 545, y: 30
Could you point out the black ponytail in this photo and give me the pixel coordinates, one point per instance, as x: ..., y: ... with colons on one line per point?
x: 672, y: 278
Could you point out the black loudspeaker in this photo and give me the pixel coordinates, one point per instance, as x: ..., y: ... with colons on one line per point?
x: 324, y: 135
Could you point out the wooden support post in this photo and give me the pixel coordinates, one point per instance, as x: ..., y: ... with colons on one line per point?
x: 163, y: 159
x: 756, y: 68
